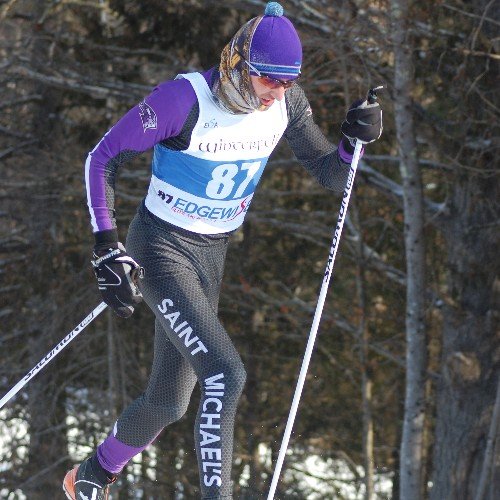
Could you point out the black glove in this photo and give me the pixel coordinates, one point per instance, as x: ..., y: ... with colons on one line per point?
x: 117, y: 275
x: 363, y: 122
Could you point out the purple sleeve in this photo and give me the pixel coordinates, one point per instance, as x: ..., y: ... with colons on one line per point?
x: 160, y: 115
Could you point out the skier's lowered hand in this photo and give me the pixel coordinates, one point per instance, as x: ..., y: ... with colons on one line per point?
x: 117, y: 276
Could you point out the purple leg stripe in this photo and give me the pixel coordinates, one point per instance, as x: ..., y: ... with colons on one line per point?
x: 113, y: 455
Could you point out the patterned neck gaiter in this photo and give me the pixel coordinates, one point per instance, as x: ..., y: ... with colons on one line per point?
x: 233, y: 90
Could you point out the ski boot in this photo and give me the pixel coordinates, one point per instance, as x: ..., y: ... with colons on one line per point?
x: 87, y: 481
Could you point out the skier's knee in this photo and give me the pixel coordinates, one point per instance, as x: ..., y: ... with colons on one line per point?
x: 228, y: 380
x: 236, y: 379
x: 165, y: 412
x: 174, y: 413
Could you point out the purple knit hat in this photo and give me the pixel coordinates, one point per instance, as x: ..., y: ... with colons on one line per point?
x: 275, y: 48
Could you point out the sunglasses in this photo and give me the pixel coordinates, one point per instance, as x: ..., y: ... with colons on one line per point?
x: 266, y: 80
x: 274, y: 83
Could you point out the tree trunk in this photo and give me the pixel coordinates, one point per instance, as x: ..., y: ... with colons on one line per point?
x: 411, y: 459
x: 47, y: 452
x: 366, y: 379
x: 486, y: 476
x: 470, y: 360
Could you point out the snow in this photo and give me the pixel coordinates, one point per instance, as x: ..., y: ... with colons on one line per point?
x: 12, y: 430
x: 319, y: 478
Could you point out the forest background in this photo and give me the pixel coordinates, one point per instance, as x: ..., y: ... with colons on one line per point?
x: 401, y: 399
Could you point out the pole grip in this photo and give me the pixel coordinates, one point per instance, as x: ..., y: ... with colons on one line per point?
x: 372, y: 96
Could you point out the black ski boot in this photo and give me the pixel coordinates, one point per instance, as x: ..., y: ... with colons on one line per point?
x: 87, y: 481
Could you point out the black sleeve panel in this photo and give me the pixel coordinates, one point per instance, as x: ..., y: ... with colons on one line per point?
x: 318, y: 155
x: 110, y: 171
x: 181, y: 142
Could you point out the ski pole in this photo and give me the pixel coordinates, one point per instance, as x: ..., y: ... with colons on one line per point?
x: 59, y: 347
x: 371, y: 98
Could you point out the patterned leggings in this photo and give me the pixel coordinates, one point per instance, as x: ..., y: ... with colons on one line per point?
x: 183, y: 272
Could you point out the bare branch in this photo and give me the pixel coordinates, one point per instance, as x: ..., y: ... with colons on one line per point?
x: 477, y: 53
x: 425, y: 163
x: 468, y: 14
x: 395, y: 190
x: 21, y: 145
x: 6, y: 8
x: 126, y: 91
x: 7, y: 131
x: 6, y: 312
x: 21, y: 100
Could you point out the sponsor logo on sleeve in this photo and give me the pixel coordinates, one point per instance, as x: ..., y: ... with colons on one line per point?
x: 148, y: 116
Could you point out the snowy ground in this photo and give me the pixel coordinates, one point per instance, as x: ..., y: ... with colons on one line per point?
x: 321, y: 479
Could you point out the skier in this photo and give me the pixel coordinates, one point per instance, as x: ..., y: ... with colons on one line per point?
x: 212, y: 134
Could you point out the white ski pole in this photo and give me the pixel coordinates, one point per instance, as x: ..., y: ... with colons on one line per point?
x: 59, y: 347
x: 372, y: 96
